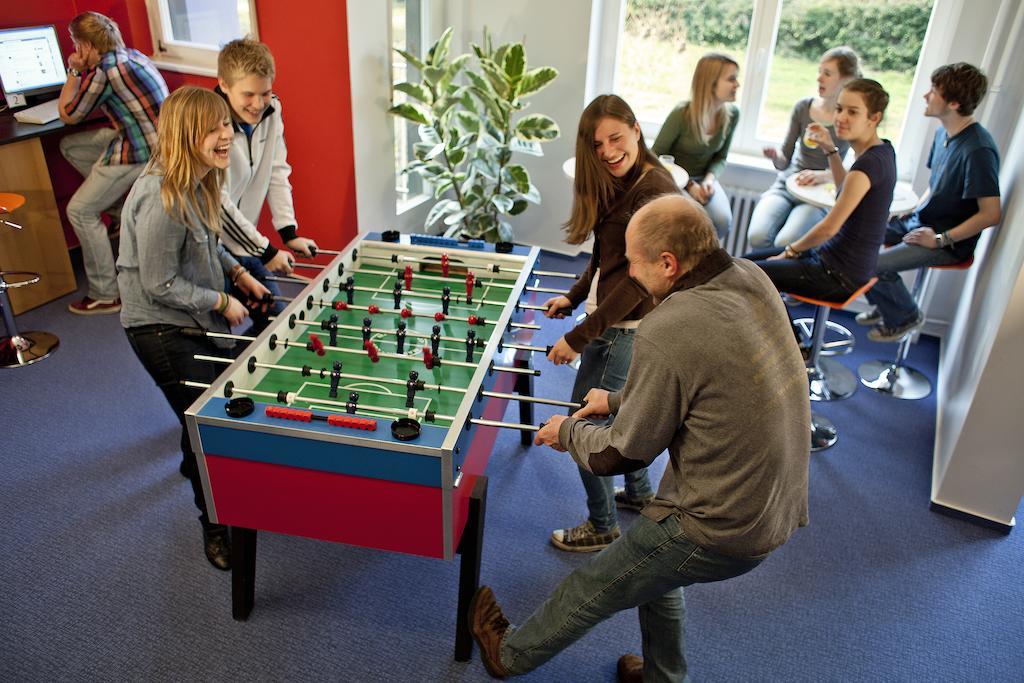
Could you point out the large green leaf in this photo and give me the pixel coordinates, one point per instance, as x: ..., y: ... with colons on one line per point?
x: 514, y: 61
x: 415, y: 91
x: 429, y: 134
x: 480, y: 82
x: 454, y: 218
x: 455, y: 156
x: 503, y: 203
x: 532, y: 195
x: 442, y: 208
x: 536, y: 79
x: 469, y: 121
x: 412, y: 111
x: 497, y: 78
x: 433, y: 74
x: 411, y: 58
x: 518, y: 206
x: 441, y: 188
x: 537, y: 127
x: 519, y: 177
x: 424, y: 151
x: 439, y: 50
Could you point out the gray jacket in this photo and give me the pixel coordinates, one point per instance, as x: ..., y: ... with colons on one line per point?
x: 168, y: 272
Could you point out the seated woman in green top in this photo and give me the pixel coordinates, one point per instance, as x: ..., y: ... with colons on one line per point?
x: 698, y: 133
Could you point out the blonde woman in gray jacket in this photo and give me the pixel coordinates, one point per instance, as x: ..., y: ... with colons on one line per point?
x: 172, y: 268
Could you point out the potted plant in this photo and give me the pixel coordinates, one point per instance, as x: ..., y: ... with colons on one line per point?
x: 469, y: 129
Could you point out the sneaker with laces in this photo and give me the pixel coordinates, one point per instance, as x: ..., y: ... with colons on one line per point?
x: 627, y: 503
x: 90, y: 306
x: 881, y: 333
x: 630, y: 669
x: 488, y: 625
x: 869, y: 318
x: 583, y: 538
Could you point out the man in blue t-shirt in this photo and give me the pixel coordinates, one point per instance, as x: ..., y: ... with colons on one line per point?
x: 962, y: 199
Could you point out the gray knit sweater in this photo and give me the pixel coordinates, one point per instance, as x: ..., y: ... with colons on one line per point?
x: 717, y: 380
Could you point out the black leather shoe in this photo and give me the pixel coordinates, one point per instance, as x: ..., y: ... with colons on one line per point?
x: 184, y: 469
x: 217, y: 545
x: 630, y: 669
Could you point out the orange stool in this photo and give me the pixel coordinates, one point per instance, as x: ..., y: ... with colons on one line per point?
x: 895, y: 378
x: 18, y: 349
x: 827, y: 379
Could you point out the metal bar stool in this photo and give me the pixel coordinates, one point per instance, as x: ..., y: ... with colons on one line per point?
x: 19, y: 348
x: 827, y: 380
x: 895, y: 378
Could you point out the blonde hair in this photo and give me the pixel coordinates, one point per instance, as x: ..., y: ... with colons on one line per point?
x: 98, y: 30
x: 709, y: 69
x: 189, y: 185
x: 244, y: 57
x: 594, y: 188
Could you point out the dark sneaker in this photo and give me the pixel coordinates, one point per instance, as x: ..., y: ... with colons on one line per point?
x: 638, y: 504
x: 88, y: 306
x: 869, y: 318
x: 217, y: 546
x: 881, y: 333
x: 488, y: 624
x: 583, y: 538
x: 631, y: 669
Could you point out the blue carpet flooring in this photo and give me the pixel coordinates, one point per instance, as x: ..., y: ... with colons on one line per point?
x: 102, y: 575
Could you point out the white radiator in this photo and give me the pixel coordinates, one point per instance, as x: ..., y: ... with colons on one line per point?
x: 742, y: 202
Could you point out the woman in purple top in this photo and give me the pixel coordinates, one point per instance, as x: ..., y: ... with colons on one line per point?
x: 838, y: 255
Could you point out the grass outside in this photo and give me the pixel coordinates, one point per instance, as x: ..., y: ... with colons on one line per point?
x: 654, y: 75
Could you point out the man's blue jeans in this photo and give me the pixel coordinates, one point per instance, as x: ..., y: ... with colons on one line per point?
x: 604, y: 365
x: 645, y: 568
x: 889, y: 295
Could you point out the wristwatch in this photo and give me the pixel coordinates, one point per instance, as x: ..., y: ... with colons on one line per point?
x: 835, y: 150
x: 72, y: 71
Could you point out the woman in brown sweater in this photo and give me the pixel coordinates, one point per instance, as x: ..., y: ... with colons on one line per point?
x: 616, y: 174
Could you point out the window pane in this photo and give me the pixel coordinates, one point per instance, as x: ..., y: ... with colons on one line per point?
x: 886, y: 34
x: 661, y: 43
x: 208, y: 23
x: 406, y: 34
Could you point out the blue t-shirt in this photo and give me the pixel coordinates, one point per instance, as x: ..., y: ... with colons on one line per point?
x: 964, y: 168
x: 853, y: 251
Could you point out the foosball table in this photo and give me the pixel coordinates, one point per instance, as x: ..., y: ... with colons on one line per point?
x: 381, y: 387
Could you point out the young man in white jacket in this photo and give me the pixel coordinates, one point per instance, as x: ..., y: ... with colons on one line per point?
x: 258, y: 170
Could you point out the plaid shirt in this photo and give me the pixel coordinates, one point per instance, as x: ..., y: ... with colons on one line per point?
x: 129, y: 90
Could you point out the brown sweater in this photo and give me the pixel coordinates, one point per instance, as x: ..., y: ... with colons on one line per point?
x: 718, y: 382
x: 618, y: 296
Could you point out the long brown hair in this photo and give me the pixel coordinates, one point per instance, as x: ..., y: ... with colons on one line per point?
x: 189, y: 186
x: 594, y: 188
x: 98, y: 30
x: 709, y: 69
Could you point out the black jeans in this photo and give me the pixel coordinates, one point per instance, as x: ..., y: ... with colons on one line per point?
x: 806, y: 276
x: 167, y: 356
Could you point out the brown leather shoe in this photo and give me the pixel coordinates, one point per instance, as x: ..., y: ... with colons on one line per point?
x: 631, y: 669
x: 488, y: 626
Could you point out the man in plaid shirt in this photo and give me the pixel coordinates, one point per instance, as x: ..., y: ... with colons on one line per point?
x: 127, y: 87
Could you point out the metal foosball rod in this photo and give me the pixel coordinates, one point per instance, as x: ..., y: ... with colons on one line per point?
x: 409, y: 313
x: 324, y: 372
x: 480, y: 342
x: 531, y: 399
x: 551, y: 273
x: 290, y: 397
x: 433, y: 278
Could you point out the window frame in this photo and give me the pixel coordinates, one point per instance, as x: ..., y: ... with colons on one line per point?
x: 415, y: 43
x: 609, y: 22
x: 180, y: 56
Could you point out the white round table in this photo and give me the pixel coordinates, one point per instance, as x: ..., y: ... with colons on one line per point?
x: 679, y: 174
x: 823, y: 195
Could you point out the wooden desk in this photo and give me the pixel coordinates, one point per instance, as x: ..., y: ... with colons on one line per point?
x: 40, y: 246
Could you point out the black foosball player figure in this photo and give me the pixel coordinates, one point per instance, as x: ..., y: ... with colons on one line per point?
x: 350, y: 290
x: 353, y: 403
x: 335, y: 378
x: 400, y: 336
x: 367, y: 329
x: 331, y: 325
x: 411, y: 387
x: 470, y: 343
x: 397, y: 293
x: 446, y: 299
x: 435, y: 340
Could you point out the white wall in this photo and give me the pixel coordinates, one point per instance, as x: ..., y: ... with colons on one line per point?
x: 978, y: 466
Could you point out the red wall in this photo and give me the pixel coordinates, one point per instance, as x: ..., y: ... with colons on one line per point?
x: 310, y: 48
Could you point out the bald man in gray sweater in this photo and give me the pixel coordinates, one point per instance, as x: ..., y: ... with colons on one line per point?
x: 716, y: 380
